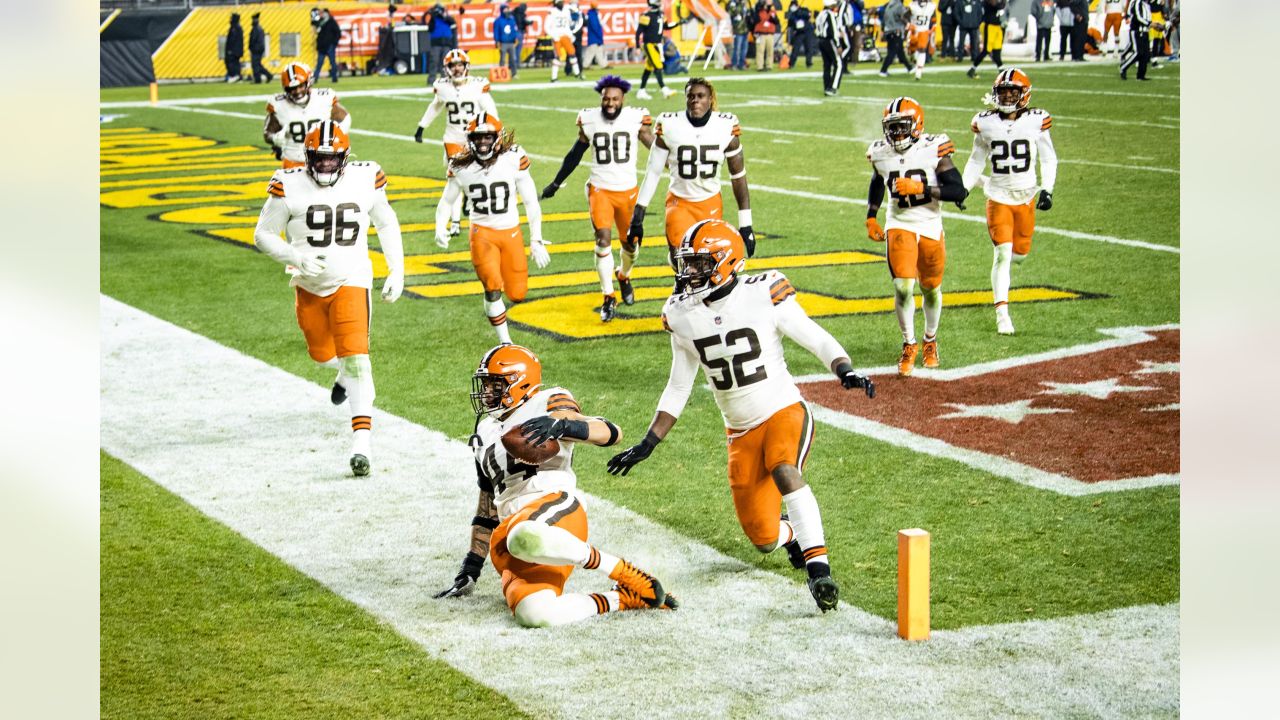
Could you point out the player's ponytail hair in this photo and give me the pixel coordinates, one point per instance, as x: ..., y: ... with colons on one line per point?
x: 715, y: 105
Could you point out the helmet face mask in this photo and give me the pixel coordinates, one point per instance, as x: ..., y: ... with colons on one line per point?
x: 327, y: 149
x: 483, y: 144
x: 457, y: 65
x: 507, y: 377
x: 897, y: 130
x: 709, y: 257
x: 488, y: 393
x: 695, y: 270
x: 1011, y: 91
x: 296, y: 81
x: 903, y: 123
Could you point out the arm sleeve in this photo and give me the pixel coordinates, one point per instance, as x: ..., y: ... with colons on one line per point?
x: 1048, y: 162
x: 451, y: 192
x: 487, y: 104
x: 977, y: 162
x: 272, y: 222
x: 432, y: 111
x: 797, y: 325
x: 684, y: 369
x: 388, y: 225
x: 652, y: 174
x: 532, y: 210
x: 345, y: 123
x: 571, y: 161
x: 951, y: 186
x: 875, y: 194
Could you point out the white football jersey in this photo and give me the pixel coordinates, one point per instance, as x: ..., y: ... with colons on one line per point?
x: 921, y: 15
x: 1012, y: 147
x: 491, y: 189
x: 559, y: 23
x: 515, y: 483
x: 332, y: 221
x: 298, y: 119
x: 696, y: 153
x: 614, y: 145
x: 922, y: 213
x: 461, y: 105
x: 1115, y: 7
x: 738, y: 342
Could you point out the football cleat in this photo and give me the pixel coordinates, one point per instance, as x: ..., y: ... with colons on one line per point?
x: 643, y: 94
x: 907, y: 362
x: 359, y: 465
x: 629, y: 600
x: 668, y: 92
x: 1004, y: 325
x: 628, y: 292
x: 825, y: 592
x: 929, y: 354
x: 608, y: 308
x: 645, y: 586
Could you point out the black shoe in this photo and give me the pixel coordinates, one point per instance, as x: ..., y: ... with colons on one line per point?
x: 825, y: 592
x: 338, y: 394
x: 628, y: 292
x: 360, y: 467
x: 608, y: 308
x: 1124, y: 74
x: 973, y: 72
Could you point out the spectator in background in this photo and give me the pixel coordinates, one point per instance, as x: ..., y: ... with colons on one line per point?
x: 234, y: 49
x: 505, y: 35
x: 853, y: 13
x: 441, y: 40
x: 521, y: 16
x: 1175, y: 30
x: 737, y: 11
x: 577, y: 27
x: 893, y: 22
x: 1044, y: 12
x: 1066, y: 21
x: 765, y: 30
x: 258, y: 48
x: 327, y: 45
x: 947, y: 18
x: 968, y: 20
x: 1079, y: 28
x: 800, y: 27
x: 595, y: 40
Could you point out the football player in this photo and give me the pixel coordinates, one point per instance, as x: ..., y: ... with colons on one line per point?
x: 650, y: 32
x: 530, y: 519
x: 493, y: 171
x: 921, y: 18
x: 1011, y: 137
x: 614, y: 133
x: 460, y: 97
x: 694, y: 144
x: 325, y: 210
x: 561, y: 27
x: 733, y: 327
x: 992, y: 30
x: 919, y: 174
x: 294, y: 112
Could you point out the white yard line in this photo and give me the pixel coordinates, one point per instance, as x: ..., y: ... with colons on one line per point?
x: 263, y: 452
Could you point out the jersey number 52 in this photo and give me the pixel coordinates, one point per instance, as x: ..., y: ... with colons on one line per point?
x: 730, y: 370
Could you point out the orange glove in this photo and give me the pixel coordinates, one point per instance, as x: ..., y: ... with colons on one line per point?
x: 908, y: 186
x: 873, y: 230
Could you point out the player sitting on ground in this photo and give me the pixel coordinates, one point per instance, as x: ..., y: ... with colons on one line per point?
x: 530, y: 519
x: 324, y: 211
x: 733, y: 328
x: 294, y: 112
x: 918, y: 172
x: 493, y: 171
x: 613, y: 133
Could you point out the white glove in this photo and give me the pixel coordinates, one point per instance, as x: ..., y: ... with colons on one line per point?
x: 538, y: 249
x: 982, y: 182
x: 442, y: 240
x: 392, y: 287
x: 310, y: 265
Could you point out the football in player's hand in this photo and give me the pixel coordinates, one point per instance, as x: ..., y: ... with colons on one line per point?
x: 518, y: 447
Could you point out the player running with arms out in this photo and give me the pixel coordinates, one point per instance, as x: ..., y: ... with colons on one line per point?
x: 460, y: 97
x: 733, y: 327
x: 324, y: 212
x: 922, y: 15
x: 1011, y: 137
x: 694, y: 144
x: 919, y: 174
x: 613, y: 133
x: 492, y: 172
x: 650, y: 32
x: 530, y: 519
x: 294, y: 112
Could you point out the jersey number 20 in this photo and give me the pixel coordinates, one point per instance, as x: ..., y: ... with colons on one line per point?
x: 493, y: 198
x: 735, y: 374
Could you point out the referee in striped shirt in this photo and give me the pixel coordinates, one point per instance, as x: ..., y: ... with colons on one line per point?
x: 1138, y: 50
x: 830, y: 34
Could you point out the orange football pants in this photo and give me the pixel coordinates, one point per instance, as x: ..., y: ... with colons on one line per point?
x: 564, y: 46
x: 521, y: 579
x: 335, y: 325
x: 611, y: 207
x: 785, y: 438
x: 1012, y: 224
x: 682, y: 214
x: 912, y: 255
x: 919, y: 41
x: 1112, y: 22
x: 500, y: 262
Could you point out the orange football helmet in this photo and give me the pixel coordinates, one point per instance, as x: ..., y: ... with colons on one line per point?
x: 327, y: 147
x: 481, y: 128
x: 903, y: 123
x: 456, y: 65
x: 296, y: 81
x: 508, y: 376
x: 710, y: 254
x: 1011, y: 90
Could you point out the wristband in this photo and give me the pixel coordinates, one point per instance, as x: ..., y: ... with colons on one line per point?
x: 576, y: 429
x: 744, y: 218
x: 472, y: 564
x: 614, y: 433
x: 872, y: 212
x: 651, y: 440
x: 843, y: 369
x: 487, y: 523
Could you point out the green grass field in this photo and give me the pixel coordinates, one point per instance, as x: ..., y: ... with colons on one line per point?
x: 1003, y: 552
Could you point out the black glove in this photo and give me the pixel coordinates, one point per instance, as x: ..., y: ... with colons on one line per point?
x: 277, y: 151
x: 960, y: 205
x: 1046, y: 200
x: 851, y: 380
x: 622, y: 463
x: 417, y: 136
x: 466, y: 579
x: 544, y: 427
x: 748, y: 239
x: 635, y: 235
x: 549, y: 191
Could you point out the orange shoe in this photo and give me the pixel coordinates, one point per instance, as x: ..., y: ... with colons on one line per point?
x: 930, y: 353
x: 907, y: 362
x: 643, y: 585
x: 628, y: 600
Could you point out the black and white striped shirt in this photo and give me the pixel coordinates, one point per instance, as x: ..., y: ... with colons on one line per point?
x: 1139, y: 15
x: 826, y: 25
